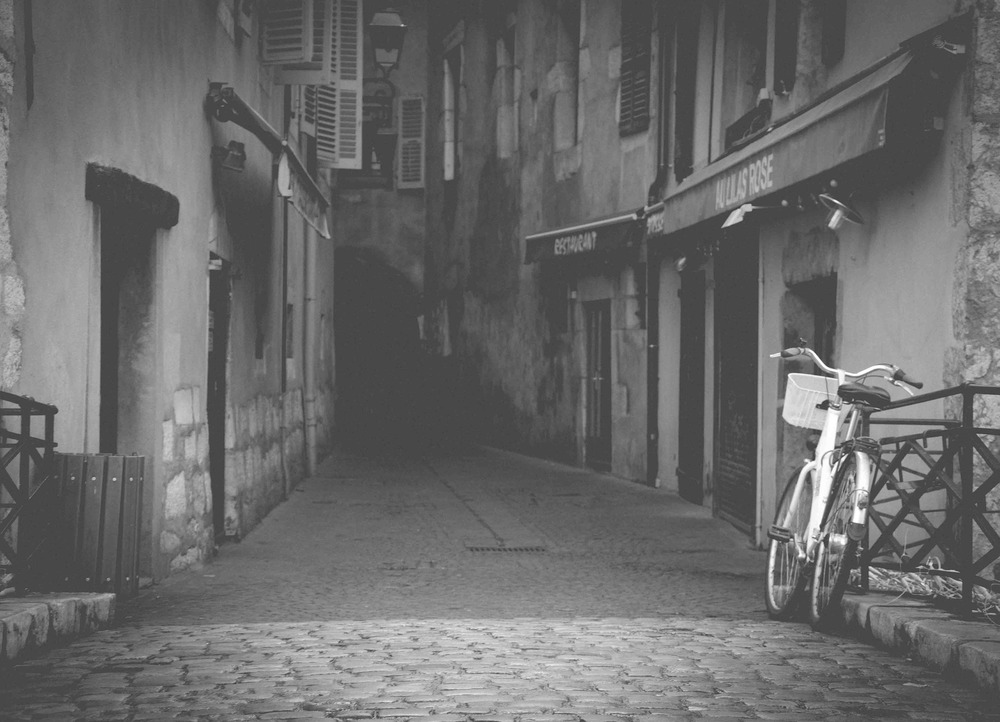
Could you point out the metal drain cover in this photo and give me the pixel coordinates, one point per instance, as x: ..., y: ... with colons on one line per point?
x: 519, y: 550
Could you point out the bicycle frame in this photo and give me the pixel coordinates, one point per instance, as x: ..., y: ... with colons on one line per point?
x: 826, y: 461
x: 818, y: 535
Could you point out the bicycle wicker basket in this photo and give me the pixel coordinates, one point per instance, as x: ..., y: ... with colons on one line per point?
x: 803, y: 395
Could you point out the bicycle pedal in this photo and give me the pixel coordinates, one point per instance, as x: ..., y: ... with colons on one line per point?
x: 779, y: 534
x: 855, y: 532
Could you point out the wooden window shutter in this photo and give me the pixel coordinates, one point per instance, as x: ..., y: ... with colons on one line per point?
x: 410, y: 146
x: 307, y: 123
x: 637, y: 21
x: 317, y: 68
x: 287, y: 32
x: 339, y: 103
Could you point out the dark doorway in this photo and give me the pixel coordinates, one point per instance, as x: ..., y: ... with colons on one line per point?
x: 691, y: 394
x: 598, y: 397
x: 736, y: 301
x: 127, y: 287
x: 379, y: 364
x: 219, y: 300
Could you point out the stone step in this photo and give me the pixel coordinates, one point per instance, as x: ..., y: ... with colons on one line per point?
x: 35, y: 621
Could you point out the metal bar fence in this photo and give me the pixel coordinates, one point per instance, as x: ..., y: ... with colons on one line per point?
x: 26, y: 465
x: 935, y: 497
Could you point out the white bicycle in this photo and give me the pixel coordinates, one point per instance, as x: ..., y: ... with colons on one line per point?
x: 823, y: 512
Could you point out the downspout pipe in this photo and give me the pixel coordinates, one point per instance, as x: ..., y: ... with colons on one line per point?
x: 311, y: 326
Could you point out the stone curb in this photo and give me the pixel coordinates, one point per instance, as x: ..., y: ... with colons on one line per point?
x: 36, y: 621
x: 966, y: 650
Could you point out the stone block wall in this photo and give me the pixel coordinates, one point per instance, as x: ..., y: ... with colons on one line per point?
x: 12, y: 300
x: 186, y: 534
x: 265, y: 457
x: 977, y: 281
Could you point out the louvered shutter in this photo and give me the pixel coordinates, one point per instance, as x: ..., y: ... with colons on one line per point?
x: 637, y: 20
x: 308, y: 114
x: 410, y: 146
x: 286, y: 31
x: 317, y: 68
x: 339, y: 103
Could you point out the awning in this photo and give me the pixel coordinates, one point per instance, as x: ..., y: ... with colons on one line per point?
x: 600, y: 235
x: 844, y: 127
x: 291, y: 185
x: 294, y: 181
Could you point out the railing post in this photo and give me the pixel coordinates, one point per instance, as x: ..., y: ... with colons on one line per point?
x: 965, y: 469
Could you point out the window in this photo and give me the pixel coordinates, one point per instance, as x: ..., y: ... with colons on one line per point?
x: 688, y: 28
x: 637, y: 22
x: 786, y: 45
x: 318, y: 44
x: 451, y: 99
x: 505, y: 82
x: 744, y: 109
x: 834, y: 26
x: 567, y: 96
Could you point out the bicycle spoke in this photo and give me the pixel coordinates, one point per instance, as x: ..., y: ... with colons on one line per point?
x: 836, y: 548
x: 785, y: 575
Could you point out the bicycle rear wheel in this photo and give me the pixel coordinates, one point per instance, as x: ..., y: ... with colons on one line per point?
x: 836, y: 550
x: 786, y: 578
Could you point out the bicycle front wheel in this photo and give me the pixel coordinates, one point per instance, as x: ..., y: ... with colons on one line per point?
x: 786, y: 578
x: 836, y: 551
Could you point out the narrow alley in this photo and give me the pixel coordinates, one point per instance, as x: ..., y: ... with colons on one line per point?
x: 477, y: 585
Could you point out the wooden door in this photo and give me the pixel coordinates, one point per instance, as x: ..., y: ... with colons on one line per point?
x: 598, y: 395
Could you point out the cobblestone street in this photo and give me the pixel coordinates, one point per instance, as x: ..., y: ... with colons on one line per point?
x: 476, y: 586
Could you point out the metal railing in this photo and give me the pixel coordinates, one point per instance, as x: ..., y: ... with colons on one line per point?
x: 933, y: 509
x: 26, y: 471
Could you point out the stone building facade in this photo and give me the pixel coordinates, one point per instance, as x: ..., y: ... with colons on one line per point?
x: 166, y: 261
x: 553, y: 127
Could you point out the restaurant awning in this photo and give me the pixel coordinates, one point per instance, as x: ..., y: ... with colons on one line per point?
x: 294, y: 182
x: 865, y: 115
x: 600, y: 235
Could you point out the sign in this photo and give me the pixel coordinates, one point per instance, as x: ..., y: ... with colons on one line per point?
x: 575, y: 243
x: 298, y: 194
x: 747, y: 181
x: 655, y: 222
x: 600, y: 235
x: 840, y: 128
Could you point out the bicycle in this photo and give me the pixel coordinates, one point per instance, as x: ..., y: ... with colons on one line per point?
x: 822, y: 515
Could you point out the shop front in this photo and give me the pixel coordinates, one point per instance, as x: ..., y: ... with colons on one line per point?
x: 592, y: 283
x: 769, y: 244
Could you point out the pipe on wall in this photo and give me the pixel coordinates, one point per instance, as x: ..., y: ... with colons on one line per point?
x: 310, y: 329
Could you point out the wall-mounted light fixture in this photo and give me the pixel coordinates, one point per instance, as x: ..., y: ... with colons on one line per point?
x: 738, y: 214
x: 698, y: 256
x: 387, y: 31
x: 233, y: 157
x: 840, y: 212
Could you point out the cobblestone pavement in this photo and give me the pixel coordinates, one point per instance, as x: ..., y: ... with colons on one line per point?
x: 477, y: 586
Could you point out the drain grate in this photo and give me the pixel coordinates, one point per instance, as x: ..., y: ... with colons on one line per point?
x: 519, y: 550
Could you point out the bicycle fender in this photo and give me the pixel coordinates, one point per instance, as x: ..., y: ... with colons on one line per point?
x: 863, y: 481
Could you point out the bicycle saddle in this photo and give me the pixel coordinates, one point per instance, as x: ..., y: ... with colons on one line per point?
x: 855, y: 393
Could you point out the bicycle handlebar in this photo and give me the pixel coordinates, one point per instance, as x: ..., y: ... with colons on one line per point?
x: 897, y: 374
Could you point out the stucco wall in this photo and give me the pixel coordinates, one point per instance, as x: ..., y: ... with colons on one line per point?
x: 124, y: 85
